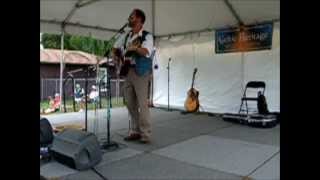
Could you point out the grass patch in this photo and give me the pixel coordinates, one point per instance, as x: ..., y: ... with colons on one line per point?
x: 91, y: 106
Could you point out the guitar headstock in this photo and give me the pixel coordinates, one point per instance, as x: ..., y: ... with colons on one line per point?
x: 193, y: 76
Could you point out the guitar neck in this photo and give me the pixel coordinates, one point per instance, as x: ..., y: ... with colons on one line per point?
x: 192, y: 82
x: 193, y: 77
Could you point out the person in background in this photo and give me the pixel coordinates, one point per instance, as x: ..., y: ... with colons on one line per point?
x: 54, y: 104
x: 94, y: 94
x: 78, y: 96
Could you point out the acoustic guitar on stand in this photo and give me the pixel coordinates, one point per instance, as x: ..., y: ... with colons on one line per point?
x: 192, y: 102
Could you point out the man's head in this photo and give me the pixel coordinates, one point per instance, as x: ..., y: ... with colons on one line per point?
x: 137, y: 17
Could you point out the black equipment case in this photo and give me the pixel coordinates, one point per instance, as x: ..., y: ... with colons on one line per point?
x: 254, y: 120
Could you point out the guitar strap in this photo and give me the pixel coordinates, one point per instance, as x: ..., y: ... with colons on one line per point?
x: 125, y: 41
x: 144, y: 34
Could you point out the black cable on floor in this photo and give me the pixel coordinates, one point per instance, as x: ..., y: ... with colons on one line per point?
x: 98, y: 173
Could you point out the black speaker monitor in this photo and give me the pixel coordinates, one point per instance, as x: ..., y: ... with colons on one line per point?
x: 77, y: 149
x: 46, y: 132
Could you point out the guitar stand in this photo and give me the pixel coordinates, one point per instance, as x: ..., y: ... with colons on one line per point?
x: 193, y: 94
x: 186, y: 112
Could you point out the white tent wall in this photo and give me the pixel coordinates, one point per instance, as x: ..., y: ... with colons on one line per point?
x: 265, y: 66
x: 181, y: 68
x: 220, y: 78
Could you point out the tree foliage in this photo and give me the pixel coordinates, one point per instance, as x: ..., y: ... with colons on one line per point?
x: 79, y: 43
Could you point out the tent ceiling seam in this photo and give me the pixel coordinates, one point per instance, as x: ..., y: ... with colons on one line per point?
x: 87, y: 3
x: 78, y: 25
x: 207, y: 29
x: 70, y: 14
x: 187, y: 32
x: 79, y: 4
x: 233, y: 11
x: 115, y: 30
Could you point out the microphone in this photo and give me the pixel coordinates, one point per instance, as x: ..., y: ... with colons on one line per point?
x: 93, y: 68
x: 169, y: 63
x: 75, y: 71
x: 154, y: 58
x: 121, y: 30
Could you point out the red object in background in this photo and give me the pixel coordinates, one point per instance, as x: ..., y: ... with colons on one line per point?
x: 56, y: 102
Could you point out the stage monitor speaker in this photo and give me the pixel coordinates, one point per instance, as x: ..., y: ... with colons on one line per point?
x: 46, y: 132
x: 77, y: 149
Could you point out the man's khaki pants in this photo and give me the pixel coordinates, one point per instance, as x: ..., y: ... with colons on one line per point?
x: 136, y: 98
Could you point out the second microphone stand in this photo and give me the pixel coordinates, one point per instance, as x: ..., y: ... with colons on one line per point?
x: 109, y: 144
x: 168, y: 67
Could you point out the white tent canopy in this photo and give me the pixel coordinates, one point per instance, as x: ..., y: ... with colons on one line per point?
x: 220, y: 78
x: 102, y: 17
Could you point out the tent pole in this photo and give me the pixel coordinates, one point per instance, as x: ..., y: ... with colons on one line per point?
x: 61, y: 64
x: 242, y: 71
x: 153, y: 16
x: 151, y: 87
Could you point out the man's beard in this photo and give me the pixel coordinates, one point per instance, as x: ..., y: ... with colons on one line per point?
x: 131, y: 24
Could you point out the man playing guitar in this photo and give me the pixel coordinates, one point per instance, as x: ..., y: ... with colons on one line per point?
x: 136, y: 47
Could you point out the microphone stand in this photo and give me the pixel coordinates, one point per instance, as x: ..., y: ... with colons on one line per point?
x: 70, y: 75
x: 86, y: 98
x: 87, y: 71
x: 109, y: 144
x: 100, y: 83
x: 168, y: 67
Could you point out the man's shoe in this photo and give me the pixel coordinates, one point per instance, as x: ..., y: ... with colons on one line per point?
x: 132, y: 137
x: 145, y: 141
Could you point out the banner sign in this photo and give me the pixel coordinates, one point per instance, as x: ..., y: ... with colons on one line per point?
x: 246, y: 38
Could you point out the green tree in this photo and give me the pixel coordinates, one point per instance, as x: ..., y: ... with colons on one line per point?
x: 79, y: 43
x: 51, y: 41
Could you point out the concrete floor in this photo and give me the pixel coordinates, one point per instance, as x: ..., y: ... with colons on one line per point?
x: 190, y: 146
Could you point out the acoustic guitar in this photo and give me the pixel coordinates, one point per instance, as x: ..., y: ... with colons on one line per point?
x: 192, y: 102
x: 120, y: 57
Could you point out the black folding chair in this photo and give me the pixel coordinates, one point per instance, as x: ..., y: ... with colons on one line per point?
x: 257, y: 86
